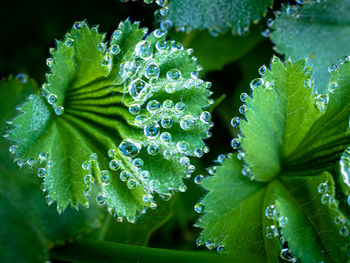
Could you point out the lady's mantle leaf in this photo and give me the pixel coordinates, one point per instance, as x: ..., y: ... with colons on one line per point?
x: 29, y: 228
x: 125, y: 117
x: 216, y: 16
x: 297, y: 203
x: 318, y: 30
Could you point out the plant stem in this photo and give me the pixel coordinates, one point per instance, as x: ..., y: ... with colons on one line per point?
x: 87, y: 250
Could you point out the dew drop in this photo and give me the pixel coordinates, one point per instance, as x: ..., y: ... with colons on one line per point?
x: 41, y: 172
x: 105, y: 177
x: 138, y: 163
x: 88, y: 179
x: 282, y: 221
x: 170, y: 87
x: 199, y: 179
x: 322, y: 188
x: 321, y: 101
x: 166, y: 123
x: 235, y: 122
x: 243, y: 97
x: 13, y: 149
x: 152, y: 71
x: 59, y: 110
x: 183, y: 146
x: 101, y: 47
x: 332, y: 87
x: 111, y: 153
x: 86, y: 165
x: 333, y: 68
x: 182, y: 188
x: 173, y: 74
x: 256, y: 83
x: 128, y: 148
x: 124, y: 176
x: 132, y: 184
x: 271, y: 231
x: 168, y: 154
x: 220, y: 249
x: 199, y: 208
x: 262, y: 70
x: 166, y: 24
x: 154, y: 185
x: 205, y: 117
x: 100, y: 199
x: 152, y: 149
x: 161, y: 46
x: 52, y: 98
x: 93, y: 156
x: 198, y: 152
x: 117, y: 34
x: 152, y: 130
x: 115, y: 49
x: 270, y: 212
x: 235, y: 143
x: 50, y: 62
x: 158, y: 33
x: 147, y: 198
x: 145, y: 174
x: 187, y: 122
x: 286, y: 255
x: 243, y: 109
x: 153, y: 106
x: 138, y: 89
x: 167, y: 104
x: 69, y: 42
x: 43, y: 156
x: 134, y: 109
x: 144, y: 49
x: 165, y: 137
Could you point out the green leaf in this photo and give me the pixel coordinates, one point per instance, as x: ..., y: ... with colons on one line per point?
x: 216, y: 16
x: 29, y: 228
x: 296, y: 204
x: 105, y: 111
x: 215, y: 53
x: 318, y: 30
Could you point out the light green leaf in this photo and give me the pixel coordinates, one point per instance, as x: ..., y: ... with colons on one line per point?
x: 318, y: 30
x: 216, y: 16
x: 292, y: 208
x: 102, y: 115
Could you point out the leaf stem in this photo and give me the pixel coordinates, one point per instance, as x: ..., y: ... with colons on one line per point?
x: 87, y: 250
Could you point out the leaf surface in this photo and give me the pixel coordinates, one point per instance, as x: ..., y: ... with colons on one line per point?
x: 318, y: 30
x: 125, y: 117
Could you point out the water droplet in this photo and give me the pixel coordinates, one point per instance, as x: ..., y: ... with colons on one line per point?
x: 168, y: 154
x: 50, y: 164
x: 345, y: 59
x: 49, y: 62
x: 138, y: 89
x: 101, y: 47
x: 154, y: 185
x: 246, y: 172
x: 339, y: 220
x: 344, y: 231
x: 167, y: 104
x: 235, y: 122
x: 161, y: 46
x: 333, y: 68
x: 243, y: 97
x: 327, y: 199
x: 13, y: 149
x: 145, y: 174
x: 132, y: 183
x: 23, y: 78
x: 256, y: 83
x: 198, y: 152
x: 282, y: 221
x: 88, y: 179
x: 52, y: 98
x: 205, y: 116
x: 41, y: 172
x: 170, y: 87
x: 165, y: 137
x: 124, y: 176
x: 173, y: 74
x: 286, y: 254
x: 86, y: 165
x: 78, y: 25
x: 134, y: 109
x: 147, y: 198
x: 182, y: 188
x: 138, y: 163
x: 332, y: 87
x: 43, y: 156
x: 199, y: 179
x: 321, y: 101
x: 140, y: 119
x: 152, y: 149
x: 271, y: 231
x: 166, y: 24
x: 69, y: 42
x: 158, y: 33
x: 111, y: 153
x: 115, y: 49
x: 187, y: 122
x: 152, y: 71
x: 100, y: 199
x: 322, y: 188
x: 243, y: 109
x: 152, y: 130
x: 183, y: 146
x: 93, y: 156
x: 153, y: 106
x: 270, y: 212
x: 105, y: 177
x: 220, y: 249
x: 199, y: 208
x: 235, y: 143
x: 144, y: 49
x: 30, y: 162
x: 128, y: 148
x: 117, y: 34
x: 59, y: 110
x: 166, y: 123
